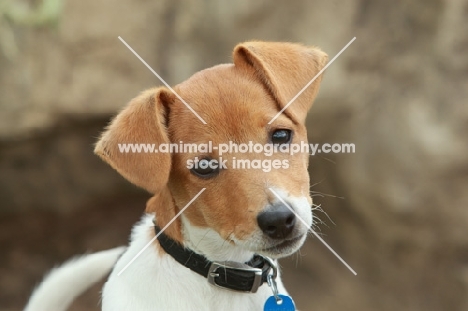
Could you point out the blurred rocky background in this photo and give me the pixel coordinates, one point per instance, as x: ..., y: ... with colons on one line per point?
x: 399, y: 205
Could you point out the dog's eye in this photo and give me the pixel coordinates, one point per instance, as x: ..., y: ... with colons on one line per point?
x: 205, y: 168
x: 281, y: 136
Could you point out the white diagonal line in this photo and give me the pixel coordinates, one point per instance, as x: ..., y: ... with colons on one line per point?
x: 311, y: 81
x: 159, y: 77
x: 315, y: 233
x: 162, y: 230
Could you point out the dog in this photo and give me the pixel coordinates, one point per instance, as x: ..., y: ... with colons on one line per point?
x: 221, y: 253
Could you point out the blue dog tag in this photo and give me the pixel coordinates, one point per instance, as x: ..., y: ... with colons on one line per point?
x: 286, y: 305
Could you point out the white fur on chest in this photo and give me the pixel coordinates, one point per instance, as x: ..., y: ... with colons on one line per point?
x: 157, y: 282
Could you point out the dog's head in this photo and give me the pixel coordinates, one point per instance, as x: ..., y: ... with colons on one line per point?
x: 264, y: 209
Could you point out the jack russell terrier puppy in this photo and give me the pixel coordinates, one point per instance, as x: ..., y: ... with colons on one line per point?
x: 221, y: 253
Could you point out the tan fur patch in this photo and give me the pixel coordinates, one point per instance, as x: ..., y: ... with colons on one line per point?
x: 237, y: 101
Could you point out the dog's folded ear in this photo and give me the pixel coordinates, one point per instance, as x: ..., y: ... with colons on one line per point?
x: 284, y: 68
x: 141, y: 124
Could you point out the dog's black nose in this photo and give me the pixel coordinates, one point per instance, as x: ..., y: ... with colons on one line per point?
x: 277, y: 222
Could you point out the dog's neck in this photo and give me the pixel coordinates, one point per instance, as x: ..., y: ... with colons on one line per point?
x: 163, y: 206
x: 207, y: 242
x: 204, y: 241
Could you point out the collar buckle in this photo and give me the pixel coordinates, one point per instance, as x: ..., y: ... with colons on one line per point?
x: 232, y: 265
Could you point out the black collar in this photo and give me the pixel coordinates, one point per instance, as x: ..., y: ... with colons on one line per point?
x: 236, y: 276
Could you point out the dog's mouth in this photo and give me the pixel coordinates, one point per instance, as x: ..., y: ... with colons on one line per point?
x: 285, y: 247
